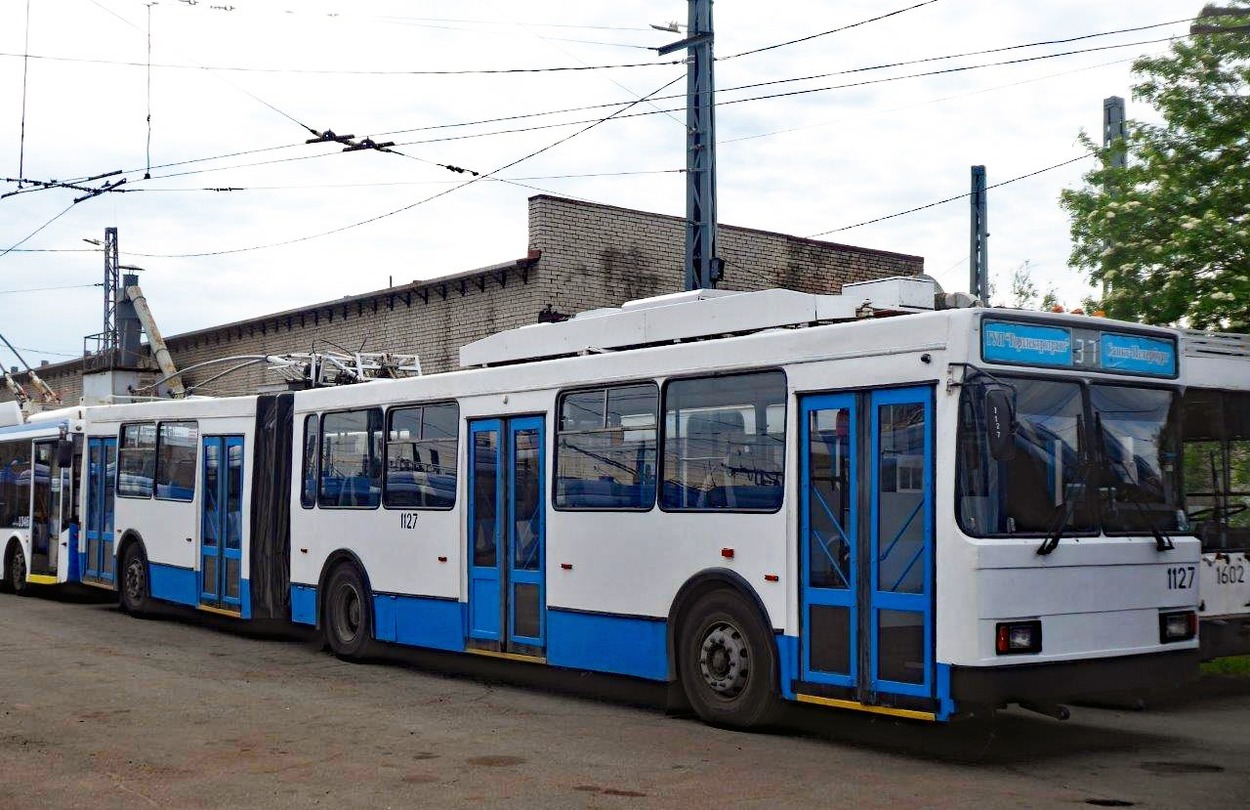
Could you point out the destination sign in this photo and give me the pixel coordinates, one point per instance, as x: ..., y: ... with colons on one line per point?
x: 1029, y: 344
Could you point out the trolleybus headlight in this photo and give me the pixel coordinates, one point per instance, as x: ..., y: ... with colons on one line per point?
x: 1012, y: 638
x: 1179, y: 626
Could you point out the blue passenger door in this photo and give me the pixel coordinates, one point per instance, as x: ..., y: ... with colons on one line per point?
x: 506, y: 529
x: 901, y: 541
x: 828, y: 531
x: 866, y: 549
x: 101, y: 479
x: 221, y: 523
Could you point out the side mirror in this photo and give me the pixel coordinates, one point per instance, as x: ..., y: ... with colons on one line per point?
x: 1000, y: 423
x: 65, y: 453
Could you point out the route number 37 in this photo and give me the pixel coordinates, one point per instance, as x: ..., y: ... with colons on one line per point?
x: 1180, y: 577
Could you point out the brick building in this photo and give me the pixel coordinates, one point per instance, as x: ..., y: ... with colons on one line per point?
x: 580, y: 256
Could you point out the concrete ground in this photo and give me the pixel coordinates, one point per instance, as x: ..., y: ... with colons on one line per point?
x: 99, y: 710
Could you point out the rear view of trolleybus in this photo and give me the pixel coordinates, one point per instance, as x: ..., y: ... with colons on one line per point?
x: 1217, y: 484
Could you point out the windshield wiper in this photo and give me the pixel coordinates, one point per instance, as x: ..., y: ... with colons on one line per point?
x: 1064, y: 515
x: 1163, y: 541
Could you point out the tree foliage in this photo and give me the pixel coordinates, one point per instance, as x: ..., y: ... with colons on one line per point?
x: 1024, y: 293
x: 1168, y: 236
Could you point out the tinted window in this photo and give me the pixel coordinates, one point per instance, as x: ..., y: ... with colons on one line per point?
x: 724, y: 442
x: 606, y: 448
x: 1138, y: 435
x: 312, y: 434
x: 175, y: 460
x: 421, y: 456
x: 1032, y: 491
x: 136, y: 460
x: 351, y: 459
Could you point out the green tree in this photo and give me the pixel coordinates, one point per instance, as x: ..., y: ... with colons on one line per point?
x: 1024, y: 293
x: 1168, y: 236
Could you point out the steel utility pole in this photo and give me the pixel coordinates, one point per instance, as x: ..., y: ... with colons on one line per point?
x: 1113, y: 129
x: 978, y: 256
x: 703, y: 268
x: 112, y: 284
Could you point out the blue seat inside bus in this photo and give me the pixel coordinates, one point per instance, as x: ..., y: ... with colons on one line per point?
x: 605, y: 493
x: 354, y: 490
x: 411, y: 488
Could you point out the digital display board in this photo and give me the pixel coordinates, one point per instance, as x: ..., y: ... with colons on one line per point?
x: 1047, y: 346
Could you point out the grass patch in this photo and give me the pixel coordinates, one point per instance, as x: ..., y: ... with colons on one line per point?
x: 1234, y: 665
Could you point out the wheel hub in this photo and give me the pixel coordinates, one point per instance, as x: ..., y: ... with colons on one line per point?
x: 134, y: 580
x: 348, y: 614
x: 723, y: 660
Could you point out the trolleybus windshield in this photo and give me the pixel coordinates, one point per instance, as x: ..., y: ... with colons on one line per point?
x: 1217, y: 467
x: 1061, y: 475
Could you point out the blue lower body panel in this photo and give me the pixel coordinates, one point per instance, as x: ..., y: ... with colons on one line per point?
x: 788, y: 664
x: 245, y: 597
x: 622, y: 645
x: 625, y: 645
x: 173, y: 584
x: 419, y: 622
x: 73, y: 559
x: 170, y: 583
x: 303, y: 604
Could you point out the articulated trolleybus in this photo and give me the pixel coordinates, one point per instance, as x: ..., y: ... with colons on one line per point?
x: 1217, y: 484
x: 759, y: 496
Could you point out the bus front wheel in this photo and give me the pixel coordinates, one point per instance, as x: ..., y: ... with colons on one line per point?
x: 348, y: 621
x: 727, y: 662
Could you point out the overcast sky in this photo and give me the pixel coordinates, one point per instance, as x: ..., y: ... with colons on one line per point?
x: 236, y: 85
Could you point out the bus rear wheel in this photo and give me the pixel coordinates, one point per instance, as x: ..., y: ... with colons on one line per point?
x: 348, y: 620
x: 132, y: 595
x: 16, y: 571
x: 727, y: 662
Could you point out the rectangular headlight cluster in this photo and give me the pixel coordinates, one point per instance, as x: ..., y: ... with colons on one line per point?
x: 1015, y: 638
x: 1181, y: 625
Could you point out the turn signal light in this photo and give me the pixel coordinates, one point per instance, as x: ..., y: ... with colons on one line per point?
x: 1179, y: 626
x: 1014, y: 638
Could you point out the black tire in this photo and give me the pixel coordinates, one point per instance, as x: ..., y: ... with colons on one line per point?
x: 15, y: 571
x: 727, y: 662
x: 133, y: 589
x: 348, y: 619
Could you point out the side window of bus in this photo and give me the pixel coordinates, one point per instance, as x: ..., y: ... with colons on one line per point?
x: 724, y: 443
x: 421, y: 447
x: 176, y: 446
x: 351, y: 459
x: 312, y: 440
x: 136, y: 460
x: 606, y: 448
